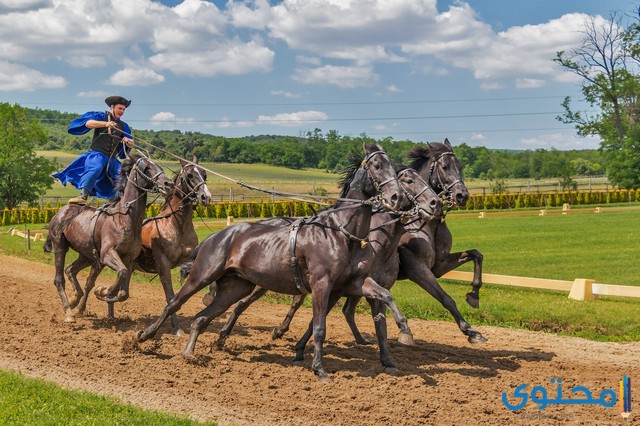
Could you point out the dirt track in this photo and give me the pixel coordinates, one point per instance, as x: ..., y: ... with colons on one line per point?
x: 442, y: 380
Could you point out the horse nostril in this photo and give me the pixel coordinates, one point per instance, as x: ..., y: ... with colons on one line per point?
x: 394, y: 199
x: 433, y: 204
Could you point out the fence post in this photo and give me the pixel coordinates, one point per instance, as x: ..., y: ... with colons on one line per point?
x: 581, y: 289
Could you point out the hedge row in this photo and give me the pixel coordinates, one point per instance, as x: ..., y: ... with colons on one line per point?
x: 299, y: 208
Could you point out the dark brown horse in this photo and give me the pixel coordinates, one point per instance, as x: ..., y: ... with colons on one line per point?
x: 319, y: 256
x: 425, y: 249
x: 106, y: 236
x: 169, y: 238
x: 386, y: 230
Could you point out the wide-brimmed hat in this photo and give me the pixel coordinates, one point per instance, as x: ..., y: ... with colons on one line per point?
x: 117, y: 100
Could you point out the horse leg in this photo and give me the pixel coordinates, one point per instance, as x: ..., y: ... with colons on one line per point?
x: 453, y: 261
x: 226, y: 296
x: 378, y: 311
x: 207, y: 299
x: 349, y: 312
x: 198, y: 279
x: 241, y: 306
x: 320, y: 299
x: 91, y: 281
x: 304, y: 340
x: 119, y: 290
x: 372, y: 290
x: 297, y: 302
x: 418, y: 272
x: 72, y: 272
x: 163, y: 267
x: 61, y: 247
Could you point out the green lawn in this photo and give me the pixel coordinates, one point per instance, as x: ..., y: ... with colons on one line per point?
x: 25, y: 401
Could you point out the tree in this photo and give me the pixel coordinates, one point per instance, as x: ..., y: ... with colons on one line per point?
x: 24, y: 176
x: 605, y: 61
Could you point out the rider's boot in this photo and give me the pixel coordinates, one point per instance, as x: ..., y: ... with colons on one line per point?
x: 81, y: 199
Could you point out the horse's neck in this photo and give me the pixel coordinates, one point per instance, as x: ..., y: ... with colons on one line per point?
x: 356, y: 220
x: 385, y: 230
x: 136, y: 200
x: 426, y: 175
x: 181, y: 211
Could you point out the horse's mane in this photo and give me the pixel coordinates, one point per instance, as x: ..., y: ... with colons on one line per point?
x: 421, y: 154
x: 348, y: 174
x: 125, y: 169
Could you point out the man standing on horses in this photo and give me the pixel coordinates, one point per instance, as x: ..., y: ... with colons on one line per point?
x: 95, y: 172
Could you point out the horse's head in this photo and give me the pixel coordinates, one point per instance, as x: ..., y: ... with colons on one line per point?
x: 438, y: 165
x: 424, y: 200
x: 191, y: 182
x: 148, y: 176
x: 373, y: 176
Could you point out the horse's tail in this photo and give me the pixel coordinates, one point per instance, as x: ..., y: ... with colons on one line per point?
x: 48, y: 245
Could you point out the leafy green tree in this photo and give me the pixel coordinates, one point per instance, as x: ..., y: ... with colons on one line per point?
x: 606, y: 62
x: 24, y: 176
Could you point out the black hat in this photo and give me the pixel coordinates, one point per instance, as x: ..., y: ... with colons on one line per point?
x: 117, y: 100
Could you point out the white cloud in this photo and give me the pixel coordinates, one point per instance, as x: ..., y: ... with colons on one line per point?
x: 560, y: 141
x: 286, y: 94
x: 168, y: 117
x: 308, y: 60
x: 23, y: 5
x: 393, y: 88
x: 478, y: 137
x: 234, y: 58
x: 293, y: 118
x: 135, y: 77
x: 20, y: 78
x: 243, y: 16
x: 226, y: 123
x: 343, y: 77
x: 529, y: 83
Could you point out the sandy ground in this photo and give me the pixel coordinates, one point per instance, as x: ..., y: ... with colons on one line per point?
x: 443, y: 380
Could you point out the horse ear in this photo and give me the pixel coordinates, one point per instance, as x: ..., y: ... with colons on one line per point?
x: 447, y: 143
x: 194, y: 160
x: 183, y: 163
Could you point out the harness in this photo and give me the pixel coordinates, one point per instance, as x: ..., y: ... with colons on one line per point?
x: 356, y: 183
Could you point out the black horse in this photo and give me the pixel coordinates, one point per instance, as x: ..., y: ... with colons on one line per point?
x: 425, y: 248
x: 106, y: 236
x: 385, y: 233
x: 319, y: 257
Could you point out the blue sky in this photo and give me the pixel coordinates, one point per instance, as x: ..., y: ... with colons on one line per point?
x: 476, y: 71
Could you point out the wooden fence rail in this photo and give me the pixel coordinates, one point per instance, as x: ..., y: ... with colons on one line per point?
x: 579, y: 289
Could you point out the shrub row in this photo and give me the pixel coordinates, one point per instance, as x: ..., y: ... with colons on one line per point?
x: 299, y: 208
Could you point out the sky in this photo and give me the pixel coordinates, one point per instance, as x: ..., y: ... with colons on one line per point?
x: 478, y: 72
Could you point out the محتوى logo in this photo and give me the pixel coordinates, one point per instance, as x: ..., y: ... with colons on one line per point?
x: 579, y: 395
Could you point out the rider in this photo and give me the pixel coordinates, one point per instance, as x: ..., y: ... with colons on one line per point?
x: 95, y: 172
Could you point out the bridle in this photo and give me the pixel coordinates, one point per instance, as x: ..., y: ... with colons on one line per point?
x: 140, y: 169
x: 437, y: 181
x: 192, y: 189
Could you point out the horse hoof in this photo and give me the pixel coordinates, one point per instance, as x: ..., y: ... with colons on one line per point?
x: 179, y: 332
x: 298, y: 362
x: 69, y: 319
x: 406, y: 339
x: 390, y: 370
x: 276, y: 334
x: 473, y: 300
x: 100, y: 292
x: 323, y: 377
x: 207, y: 299
x: 138, y: 336
x: 477, y: 338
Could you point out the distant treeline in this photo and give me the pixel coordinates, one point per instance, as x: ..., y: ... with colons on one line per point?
x: 330, y: 151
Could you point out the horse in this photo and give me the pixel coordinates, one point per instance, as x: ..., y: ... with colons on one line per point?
x: 169, y: 238
x: 105, y: 236
x: 316, y: 256
x: 386, y: 230
x: 424, y: 252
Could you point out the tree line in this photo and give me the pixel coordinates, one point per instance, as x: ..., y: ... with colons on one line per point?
x: 330, y: 151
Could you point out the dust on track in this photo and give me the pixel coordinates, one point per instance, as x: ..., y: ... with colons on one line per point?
x: 443, y: 380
